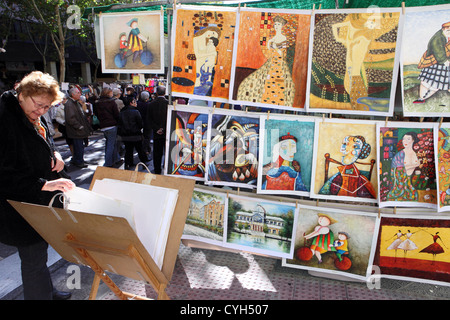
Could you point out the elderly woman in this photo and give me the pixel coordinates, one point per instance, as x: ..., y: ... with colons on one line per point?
x: 30, y: 172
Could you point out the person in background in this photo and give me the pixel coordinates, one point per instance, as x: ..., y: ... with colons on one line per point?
x: 108, y: 115
x: 142, y: 106
x: 116, y: 96
x: 78, y: 127
x: 157, y: 120
x: 61, y: 120
x: 130, y: 132
x: 29, y: 172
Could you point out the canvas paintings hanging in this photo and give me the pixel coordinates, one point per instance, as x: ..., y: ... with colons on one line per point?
x: 285, y: 153
x: 261, y: 226
x: 233, y: 144
x: 442, y: 161
x: 407, y: 176
x: 132, y: 42
x: 425, y: 57
x: 202, y: 51
x: 334, y: 241
x: 186, y: 142
x: 414, y: 248
x: 205, y: 219
x: 344, y: 160
x: 270, y: 58
x: 353, y: 61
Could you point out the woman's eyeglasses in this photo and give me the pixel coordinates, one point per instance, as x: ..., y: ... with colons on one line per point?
x: 39, y: 107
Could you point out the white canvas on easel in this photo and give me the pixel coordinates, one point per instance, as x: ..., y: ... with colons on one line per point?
x: 82, y: 200
x: 153, y: 208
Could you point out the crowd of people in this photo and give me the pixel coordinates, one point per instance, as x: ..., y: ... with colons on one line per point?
x: 130, y: 122
x: 32, y: 169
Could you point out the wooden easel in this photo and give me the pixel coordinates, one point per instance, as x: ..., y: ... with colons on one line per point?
x: 109, y: 243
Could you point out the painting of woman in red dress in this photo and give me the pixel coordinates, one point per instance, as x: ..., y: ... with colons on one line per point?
x: 434, y: 248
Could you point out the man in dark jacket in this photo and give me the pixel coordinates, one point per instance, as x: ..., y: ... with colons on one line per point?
x: 107, y: 113
x: 157, y: 120
x: 29, y: 172
x: 78, y: 127
x: 130, y: 132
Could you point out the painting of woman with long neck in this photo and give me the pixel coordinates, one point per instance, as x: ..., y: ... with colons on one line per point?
x: 202, y: 51
x: 269, y: 65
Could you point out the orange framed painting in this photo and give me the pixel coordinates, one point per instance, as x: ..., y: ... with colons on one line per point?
x: 202, y: 51
x: 270, y: 58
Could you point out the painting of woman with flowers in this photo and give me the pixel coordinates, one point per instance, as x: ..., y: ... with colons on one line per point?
x: 406, y: 161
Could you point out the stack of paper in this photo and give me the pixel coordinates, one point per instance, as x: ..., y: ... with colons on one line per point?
x: 152, y: 207
x: 82, y: 200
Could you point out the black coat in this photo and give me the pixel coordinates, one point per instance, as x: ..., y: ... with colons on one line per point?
x: 157, y: 116
x: 130, y: 124
x: 25, y: 166
x: 107, y: 112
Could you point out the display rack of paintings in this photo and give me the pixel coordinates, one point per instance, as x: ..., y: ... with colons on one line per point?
x: 186, y: 141
x: 344, y: 160
x: 442, y: 161
x: 425, y: 60
x: 202, y: 51
x: 353, y: 61
x: 261, y: 226
x: 132, y: 42
x: 285, y: 153
x: 334, y: 241
x: 232, y: 152
x: 407, y: 176
x: 270, y: 58
x: 205, y: 220
x: 414, y: 248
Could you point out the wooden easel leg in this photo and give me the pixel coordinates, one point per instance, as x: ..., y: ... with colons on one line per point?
x: 162, y: 295
x: 94, y: 288
x: 99, y: 272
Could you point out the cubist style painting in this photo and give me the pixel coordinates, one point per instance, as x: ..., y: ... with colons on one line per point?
x: 233, y: 149
x: 187, y: 141
x: 286, y: 151
x: 344, y: 161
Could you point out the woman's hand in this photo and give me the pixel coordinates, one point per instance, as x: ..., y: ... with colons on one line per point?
x: 59, y: 164
x: 58, y: 185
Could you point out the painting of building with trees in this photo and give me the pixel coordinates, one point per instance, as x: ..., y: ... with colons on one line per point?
x: 260, y: 225
x: 205, y: 219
